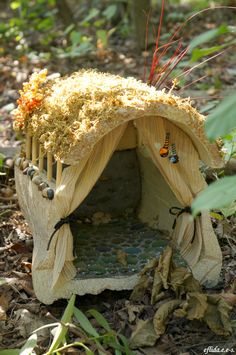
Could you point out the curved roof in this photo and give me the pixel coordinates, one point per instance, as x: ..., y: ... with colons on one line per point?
x: 69, y: 115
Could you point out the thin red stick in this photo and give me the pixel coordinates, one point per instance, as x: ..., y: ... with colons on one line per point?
x: 197, y: 65
x: 192, y: 82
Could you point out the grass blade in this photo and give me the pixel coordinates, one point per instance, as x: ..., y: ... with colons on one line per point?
x: 85, y: 323
x: 100, y: 319
x: 29, y: 345
x: 61, y: 331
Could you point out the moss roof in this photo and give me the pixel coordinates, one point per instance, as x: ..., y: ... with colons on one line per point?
x: 69, y: 115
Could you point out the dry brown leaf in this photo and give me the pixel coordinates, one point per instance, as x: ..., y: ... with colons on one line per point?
x: 217, y: 315
x: 121, y: 257
x: 143, y: 335
x: 196, y: 305
x: 133, y: 310
x: 182, y: 281
x: 27, y: 285
x: 28, y: 322
x: 5, y: 299
x: 164, y: 265
x: 229, y: 298
x: 157, y: 286
x: 140, y: 289
x: 26, y: 265
x: 149, y: 266
x: 161, y: 315
x: 19, y: 248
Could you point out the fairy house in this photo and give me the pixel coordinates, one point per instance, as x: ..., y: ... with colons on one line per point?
x: 108, y: 172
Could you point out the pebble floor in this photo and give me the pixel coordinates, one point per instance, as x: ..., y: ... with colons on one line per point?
x: 121, y: 247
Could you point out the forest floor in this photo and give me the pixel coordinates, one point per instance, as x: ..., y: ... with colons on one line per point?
x: 20, y: 311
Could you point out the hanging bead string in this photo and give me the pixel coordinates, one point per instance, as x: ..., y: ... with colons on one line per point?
x: 173, y: 158
x: 164, y: 151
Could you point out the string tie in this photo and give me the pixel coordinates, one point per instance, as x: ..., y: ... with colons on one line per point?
x: 177, y: 211
x: 58, y: 225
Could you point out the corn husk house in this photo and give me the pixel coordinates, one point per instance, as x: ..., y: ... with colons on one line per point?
x: 100, y: 150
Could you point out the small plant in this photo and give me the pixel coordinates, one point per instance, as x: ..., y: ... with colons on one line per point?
x: 74, y: 323
x: 221, y: 193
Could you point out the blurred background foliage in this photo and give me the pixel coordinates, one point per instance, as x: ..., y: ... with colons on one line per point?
x: 119, y: 36
x: 70, y: 28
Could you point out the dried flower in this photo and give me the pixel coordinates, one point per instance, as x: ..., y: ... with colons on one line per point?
x: 30, y: 97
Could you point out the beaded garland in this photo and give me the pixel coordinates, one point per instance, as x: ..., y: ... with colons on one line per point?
x: 164, y: 151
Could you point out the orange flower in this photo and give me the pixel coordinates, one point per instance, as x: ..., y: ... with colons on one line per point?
x: 30, y: 97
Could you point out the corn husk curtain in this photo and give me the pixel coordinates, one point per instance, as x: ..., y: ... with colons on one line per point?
x: 76, y: 182
x: 185, y: 180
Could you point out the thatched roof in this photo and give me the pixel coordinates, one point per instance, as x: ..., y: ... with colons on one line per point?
x: 69, y: 115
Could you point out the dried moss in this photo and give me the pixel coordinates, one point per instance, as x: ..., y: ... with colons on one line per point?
x: 75, y: 105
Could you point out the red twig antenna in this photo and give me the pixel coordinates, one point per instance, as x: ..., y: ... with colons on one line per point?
x: 159, y: 73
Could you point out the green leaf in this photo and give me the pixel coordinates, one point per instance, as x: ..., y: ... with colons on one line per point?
x: 223, y: 119
x: 217, y: 216
x: 61, y: 331
x: 110, y: 11
x: 75, y: 37
x: 100, y: 319
x: 217, y: 195
x: 207, y: 36
x: 10, y: 352
x: 29, y: 345
x: 102, y: 35
x: 92, y: 13
x: 126, y: 344
x: 15, y: 5
x: 3, y: 281
x: 85, y: 323
x: 198, y: 53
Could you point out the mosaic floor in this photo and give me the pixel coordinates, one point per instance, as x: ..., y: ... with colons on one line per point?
x: 120, y: 247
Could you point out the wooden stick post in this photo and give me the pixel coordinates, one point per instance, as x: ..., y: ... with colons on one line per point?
x: 59, y: 173
x: 49, y: 166
x: 34, y: 151
x: 28, y: 146
x: 41, y: 159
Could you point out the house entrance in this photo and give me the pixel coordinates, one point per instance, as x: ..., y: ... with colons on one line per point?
x: 109, y: 237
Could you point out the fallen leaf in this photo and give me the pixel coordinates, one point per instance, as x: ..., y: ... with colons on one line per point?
x: 217, y: 315
x: 133, y: 310
x: 28, y: 322
x: 197, y: 305
x: 149, y: 266
x: 121, y: 257
x: 5, y: 299
x: 157, y: 286
x: 140, y: 289
x: 143, y: 335
x: 182, y: 281
x: 161, y: 315
x: 20, y: 248
x: 26, y: 265
x: 229, y: 298
x: 164, y: 265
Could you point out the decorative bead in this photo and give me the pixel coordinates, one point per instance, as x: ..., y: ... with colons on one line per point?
x: 37, y: 179
x: 164, y: 151
x: 30, y: 172
x: 42, y: 186
x: 48, y: 193
x: 173, y: 158
x: 25, y: 164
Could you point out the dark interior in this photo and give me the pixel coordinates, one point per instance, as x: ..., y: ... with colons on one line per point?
x: 109, y: 239
x: 118, y: 190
